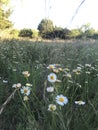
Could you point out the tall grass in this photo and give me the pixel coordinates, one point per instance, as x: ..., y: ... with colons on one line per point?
x: 76, y: 68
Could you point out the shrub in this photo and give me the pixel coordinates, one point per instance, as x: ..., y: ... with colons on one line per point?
x: 35, y: 34
x: 14, y: 33
x: 25, y: 33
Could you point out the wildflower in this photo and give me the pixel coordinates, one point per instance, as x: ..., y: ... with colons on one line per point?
x: 67, y: 69
x: 25, y: 98
x: 25, y: 90
x: 79, y: 69
x: 87, y: 65
x: 26, y: 74
x: 18, y: 85
x: 28, y: 84
x: 80, y: 102
x: 60, y: 69
x: 68, y: 75
x: 51, y: 66
x: 87, y: 72
x: 58, y: 81
x: 61, y: 100
x: 55, y: 70
x: 52, y: 107
x: 5, y: 81
x: 52, y: 77
x: 50, y: 89
x: 86, y: 82
x: 80, y: 65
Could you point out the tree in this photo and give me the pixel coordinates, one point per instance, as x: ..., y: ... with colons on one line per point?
x: 45, y: 26
x: 4, y: 15
x: 87, y: 31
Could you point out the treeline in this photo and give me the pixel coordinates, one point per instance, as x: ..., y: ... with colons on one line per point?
x: 47, y: 30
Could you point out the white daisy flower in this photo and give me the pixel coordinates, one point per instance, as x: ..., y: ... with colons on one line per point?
x: 52, y: 77
x: 25, y: 90
x: 5, y: 81
x: 87, y: 72
x: 28, y: 84
x: 18, y: 85
x: 26, y: 73
x: 61, y: 100
x: 80, y: 102
x: 25, y: 98
x: 51, y: 66
x: 50, y: 89
x: 68, y: 75
x: 51, y: 107
x: 87, y: 65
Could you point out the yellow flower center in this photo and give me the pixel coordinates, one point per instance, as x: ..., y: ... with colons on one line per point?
x: 52, y: 108
x: 51, y: 66
x: 52, y: 77
x: 61, y: 99
x: 25, y: 91
x: 79, y: 102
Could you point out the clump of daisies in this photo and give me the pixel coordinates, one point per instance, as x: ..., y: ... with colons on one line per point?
x: 25, y: 90
x: 59, y: 76
x: 53, y: 80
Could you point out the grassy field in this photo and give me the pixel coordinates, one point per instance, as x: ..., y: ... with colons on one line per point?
x: 54, y: 85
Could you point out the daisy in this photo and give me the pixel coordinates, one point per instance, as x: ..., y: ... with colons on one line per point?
x: 25, y: 90
x: 51, y: 107
x: 52, y: 77
x: 26, y: 74
x: 51, y: 66
x: 68, y: 75
x: 5, y: 81
x: 18, y: 85
x: 25, y: 98
x: 28, y: 84
x: 87, y: 65
x: 50, y: 89
x: 80, y: 102
x: 61, y: 100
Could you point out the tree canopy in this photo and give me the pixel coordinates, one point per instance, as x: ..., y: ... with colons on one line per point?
x: 45, y: 26
x: 4, y: 15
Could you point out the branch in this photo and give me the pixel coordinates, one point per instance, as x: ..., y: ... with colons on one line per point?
x: 7, y: 101
x: 77, y: 11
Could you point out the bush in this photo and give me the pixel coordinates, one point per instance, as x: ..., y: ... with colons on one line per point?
x: 35, y: 34
x: 25, y: 33
x: 14, y: 33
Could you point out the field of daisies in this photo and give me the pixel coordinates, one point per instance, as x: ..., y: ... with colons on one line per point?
x: 48, y: 86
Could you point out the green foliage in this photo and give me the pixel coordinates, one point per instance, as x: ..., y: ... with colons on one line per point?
x: 25, y: 33
x: 76, y: 66
x: 4, y: 15
x: 75, y: 33
x: 14, y: 33
x: 46, y: 25
x: 35, y: 34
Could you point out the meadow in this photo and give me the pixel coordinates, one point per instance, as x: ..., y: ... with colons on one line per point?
x: 54, y: 85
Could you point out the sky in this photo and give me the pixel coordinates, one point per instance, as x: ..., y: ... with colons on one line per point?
x: 29, y: 13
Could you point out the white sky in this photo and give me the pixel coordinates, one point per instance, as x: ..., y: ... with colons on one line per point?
x: 29, y: 13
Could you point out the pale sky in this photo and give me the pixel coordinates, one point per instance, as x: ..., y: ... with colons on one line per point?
x: 29, y: 13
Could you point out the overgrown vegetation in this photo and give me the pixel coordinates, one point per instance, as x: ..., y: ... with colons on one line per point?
x: 62, y: 91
